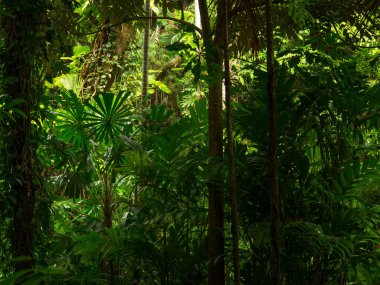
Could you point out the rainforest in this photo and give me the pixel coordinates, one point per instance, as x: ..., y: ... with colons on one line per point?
x: 190, y: 142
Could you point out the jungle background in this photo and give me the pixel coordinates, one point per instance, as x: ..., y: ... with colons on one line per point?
x: 189, y: 142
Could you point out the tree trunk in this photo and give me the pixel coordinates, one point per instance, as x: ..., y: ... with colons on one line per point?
x: 214, y: 60
x: 197, y: 15
x: 107, y: 201
x: 118, y: 38
x: 107, y: 223
x: 89, y: 72
x: 23, y: 42
x: 231, y: 153
x: 145, y: 78
x: 275, y: 200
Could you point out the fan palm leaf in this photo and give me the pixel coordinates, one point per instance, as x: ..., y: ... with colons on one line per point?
x: 107, y: 116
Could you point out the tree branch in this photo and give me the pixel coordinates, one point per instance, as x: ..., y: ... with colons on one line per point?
x: 126, y: 20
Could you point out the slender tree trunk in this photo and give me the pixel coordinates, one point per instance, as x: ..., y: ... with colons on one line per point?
x: 107, y: 222
x: 107, y: 201
x: 275, y: 200
x: 198, y: 24
x: 214, y: 60
x: 231, y: 153
x: 197, y: 15
x: 23, y: 42
x: 145, y: 67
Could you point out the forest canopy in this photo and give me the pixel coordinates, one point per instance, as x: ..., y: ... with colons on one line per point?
x: 190, y: 142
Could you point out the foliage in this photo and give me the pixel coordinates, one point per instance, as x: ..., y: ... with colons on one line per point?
x: 125, y: 181
x: 321, y: 144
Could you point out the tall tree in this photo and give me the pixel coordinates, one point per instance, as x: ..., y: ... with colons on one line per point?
x: 23, y: 28
x: 275, y: 200
x: 231, y: 153
x: 197, y: 16
x: 214, y: 61
x: 145, y: 67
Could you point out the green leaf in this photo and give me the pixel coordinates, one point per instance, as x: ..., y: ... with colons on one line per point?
x: 160, y: 85
x: 71, y: 118
x: 80, y: 50
x: 15, y: 278
x: 107, y: 116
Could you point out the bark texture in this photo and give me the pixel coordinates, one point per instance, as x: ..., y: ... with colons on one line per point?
x: 107, y: 201
x: 24, y: 39
x: 214, y: 60
x: 118, y: 39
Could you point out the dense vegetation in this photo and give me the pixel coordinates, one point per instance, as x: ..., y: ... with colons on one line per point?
x: 180, y: 142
